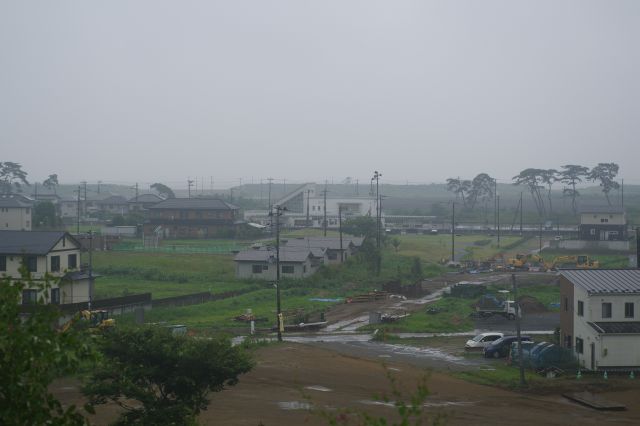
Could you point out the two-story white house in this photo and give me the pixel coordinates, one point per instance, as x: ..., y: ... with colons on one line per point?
x: 15, y: 212
x: 54, y: 253
x: 600, y: 317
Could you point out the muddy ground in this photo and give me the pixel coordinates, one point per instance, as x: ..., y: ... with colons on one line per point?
x: 290, y: 380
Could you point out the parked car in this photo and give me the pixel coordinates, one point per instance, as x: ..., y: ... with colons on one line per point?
x: 500, y: 348
x: 481, y: 341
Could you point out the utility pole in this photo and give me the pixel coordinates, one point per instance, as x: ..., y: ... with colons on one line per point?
x: 517, y: 306
x: 340, y: 228
x: 622, y: 194
x: 498, y: 218
x: 90, y: 269
x: 231, y: 195
x: 495, y: 203
x: 78, y: 213
x: 99, y: 183
x: 637, y: 248
x: 270, y: 180
x: 324, y: 220
x: 136, y: 192
x: 453, y: 232
x: 308, y: 191
x: 84, y: 207
x: 36, y: 192
x: 189, y: 185
x: 357, y: 185
x: 279, y: 319
x: 376, y: 177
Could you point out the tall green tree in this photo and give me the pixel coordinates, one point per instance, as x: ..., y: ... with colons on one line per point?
x: 361, y: 226
x: 44, y: 215
x: 549, y: 177
x: 159, y: 378
x: 163, y: 190
x: 12, y: 177
x: 572, y: 174
x: 32, y: 354
x: 482, y: 189
x: 532, y: 179
x: 51, y: 183
x: 459, y: 187
x: 605, y: 173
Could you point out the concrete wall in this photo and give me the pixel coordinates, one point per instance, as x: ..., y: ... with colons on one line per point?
x: 590, y: 245
x: 15, y: 218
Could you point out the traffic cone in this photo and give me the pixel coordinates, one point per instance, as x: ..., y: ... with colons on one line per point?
x: 605, y: 375
x: 579, y: 375
x: 631, y: 375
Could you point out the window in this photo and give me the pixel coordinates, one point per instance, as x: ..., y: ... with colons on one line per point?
x: 580, y: 308
x: 566, y: 304
x: 55, y: 296
x: 579, y: 345
x: 606, y: 310
x: 72, y: 261
x: 55, y: 263
x: 287, y: 269
x: 256, y: 269
x: 592, y: 231
x: 629, y: 309
x: 3, y: 263
x: 31, y: 262
x: 333, y: 255
x: 29, y: 297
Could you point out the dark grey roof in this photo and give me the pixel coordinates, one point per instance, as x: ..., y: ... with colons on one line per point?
x: 15, y: 201
x: 265, y: 254
x: 607, y: 281
x: 31, y: 242
x: 618, y: 327
x: 194, y: 204
x: 328, y: 243
x: 146, y: 198
x: 601, y: 209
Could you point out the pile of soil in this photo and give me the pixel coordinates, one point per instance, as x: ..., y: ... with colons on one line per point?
x: 531, y: 305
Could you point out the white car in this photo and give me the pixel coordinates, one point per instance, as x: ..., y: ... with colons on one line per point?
x: 483, y: 340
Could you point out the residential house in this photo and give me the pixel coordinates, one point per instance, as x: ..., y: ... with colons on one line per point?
x: 600, y: 318
x: 143, y: 201
x: 332, y: 245
x: 603, y: 224
x: 260, y: 263
x: 113, y: 205
x: 15, y: 212
x: 191, y: 218
x: 54, y: 253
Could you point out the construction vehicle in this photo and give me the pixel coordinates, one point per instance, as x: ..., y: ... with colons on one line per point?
x: 517, y: 262
x: 97, y: 320
x: 581, y: 261
x: 489, y: 305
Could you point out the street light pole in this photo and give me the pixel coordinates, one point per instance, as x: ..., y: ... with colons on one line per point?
x: 376, y: 177
x: 279, y: 319
x: 453, y: 232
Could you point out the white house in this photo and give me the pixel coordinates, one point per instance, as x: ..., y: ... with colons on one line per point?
x: 600, y: 318
x: 260, y: 263
x: 54, y: 253
x: 15, y: 212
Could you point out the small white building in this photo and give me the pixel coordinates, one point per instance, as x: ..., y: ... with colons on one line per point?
x: 295, y: 263
x: 599, y: 317
x: 54, y: 253
x: 15, y: 212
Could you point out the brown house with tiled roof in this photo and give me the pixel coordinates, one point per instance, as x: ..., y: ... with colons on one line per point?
x: 191, y: 218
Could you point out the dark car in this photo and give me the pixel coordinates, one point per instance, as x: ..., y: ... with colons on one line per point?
x: 500, y: 348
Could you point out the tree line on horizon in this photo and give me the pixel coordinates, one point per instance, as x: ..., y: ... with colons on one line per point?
x: 483, y: 187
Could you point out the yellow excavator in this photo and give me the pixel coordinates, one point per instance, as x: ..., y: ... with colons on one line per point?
x: 581, y: 261
x: 98, y: 320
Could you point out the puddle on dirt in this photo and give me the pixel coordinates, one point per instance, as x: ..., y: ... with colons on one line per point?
x: 426, y: 352
x: 383, y: 403
x: 294, y: 405
x: 348, y: 325
x: 426, y: 404
x: 394, y: 369
x: 384, y: 356
x: 318, y: 388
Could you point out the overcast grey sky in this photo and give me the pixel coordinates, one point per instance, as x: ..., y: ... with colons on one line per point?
x: 311, y: 90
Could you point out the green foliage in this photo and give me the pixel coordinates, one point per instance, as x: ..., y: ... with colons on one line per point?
x: 416, y: 268
x: 44, y: 215
x: 361, y: 226
x: 163, y: 190
x: 32, y: 354
x: 159, y: 378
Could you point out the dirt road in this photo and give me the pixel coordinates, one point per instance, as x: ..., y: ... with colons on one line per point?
x: 291, y: 379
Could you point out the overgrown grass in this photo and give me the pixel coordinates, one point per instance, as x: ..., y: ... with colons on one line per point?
x: 116, y: 286
x: 606, y: 259
x: 500, y: 375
